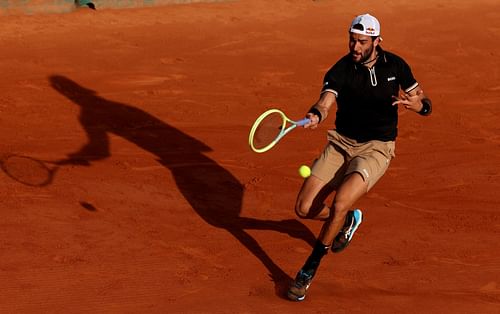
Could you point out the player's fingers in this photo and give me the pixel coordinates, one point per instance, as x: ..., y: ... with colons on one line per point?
x: 395, y: 101
x: 314, y: 120
x: 310, y: 125
x: 399, y: 102
x: 403, y: 102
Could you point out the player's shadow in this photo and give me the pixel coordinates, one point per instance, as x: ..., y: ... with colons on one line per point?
x: 212, y: 191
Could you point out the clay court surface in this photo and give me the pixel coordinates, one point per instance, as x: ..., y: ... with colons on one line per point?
x: 166, y: 210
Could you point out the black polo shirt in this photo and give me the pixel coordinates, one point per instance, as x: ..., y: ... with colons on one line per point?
x: 364, y: 96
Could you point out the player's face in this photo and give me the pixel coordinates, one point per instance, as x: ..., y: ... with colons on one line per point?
x: 361, y: 47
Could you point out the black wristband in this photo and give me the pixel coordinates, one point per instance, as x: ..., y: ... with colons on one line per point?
x: 426, y: 107
x: 315, y: 111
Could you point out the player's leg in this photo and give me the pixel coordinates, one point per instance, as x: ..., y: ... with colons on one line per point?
x: 371, y: 162
x: 327, y: 172
x: 310, y: 200
x: 351, y: 190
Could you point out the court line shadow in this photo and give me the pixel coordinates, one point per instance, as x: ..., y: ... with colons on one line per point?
x: 211, y: 190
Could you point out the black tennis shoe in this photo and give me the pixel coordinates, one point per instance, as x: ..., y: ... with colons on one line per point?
x: 298, y: 289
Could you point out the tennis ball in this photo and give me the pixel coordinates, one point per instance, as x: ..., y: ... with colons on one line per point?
x: 304, y: 171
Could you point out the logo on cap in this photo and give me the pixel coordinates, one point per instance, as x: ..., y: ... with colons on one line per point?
x: 370, y: 30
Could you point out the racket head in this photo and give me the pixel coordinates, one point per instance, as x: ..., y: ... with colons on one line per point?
x: 27, y: 170
x: 267, y: 130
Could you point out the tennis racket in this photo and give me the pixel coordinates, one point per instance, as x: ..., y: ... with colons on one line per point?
x: 270, y: 128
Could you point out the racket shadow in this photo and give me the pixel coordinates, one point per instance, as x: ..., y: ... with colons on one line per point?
x: 212, y: 191
x: 28, y: 170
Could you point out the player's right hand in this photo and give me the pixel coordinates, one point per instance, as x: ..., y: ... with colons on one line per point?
x: 314, y: 121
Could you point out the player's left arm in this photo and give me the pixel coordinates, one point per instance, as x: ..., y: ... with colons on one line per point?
x: 415, y: 100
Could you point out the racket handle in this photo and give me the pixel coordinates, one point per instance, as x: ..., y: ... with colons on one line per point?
x: 303, y: 122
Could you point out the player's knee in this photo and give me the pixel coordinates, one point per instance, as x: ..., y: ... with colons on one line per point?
x: 312, y: 210
x: 302, y: 209
x: 340, y: 209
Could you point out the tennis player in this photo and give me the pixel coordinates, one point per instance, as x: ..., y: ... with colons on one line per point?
x: 366, y: 86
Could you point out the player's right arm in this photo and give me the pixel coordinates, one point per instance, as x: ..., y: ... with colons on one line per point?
x: 319, y: 111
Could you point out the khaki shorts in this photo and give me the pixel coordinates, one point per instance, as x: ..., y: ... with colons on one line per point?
x: 343, y: 156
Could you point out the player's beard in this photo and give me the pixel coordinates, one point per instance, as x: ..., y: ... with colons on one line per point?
x: 365, y: 56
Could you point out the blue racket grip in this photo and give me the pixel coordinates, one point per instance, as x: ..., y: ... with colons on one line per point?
x: 303, y: 122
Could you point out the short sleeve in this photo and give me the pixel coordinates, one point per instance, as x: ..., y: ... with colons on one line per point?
x: 407, y: 81
x: 334, y: 78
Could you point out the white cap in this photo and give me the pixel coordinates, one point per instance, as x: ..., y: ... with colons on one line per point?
x: 365, y: 25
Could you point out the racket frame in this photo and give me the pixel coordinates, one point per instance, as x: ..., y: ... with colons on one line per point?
x: 284, y: 131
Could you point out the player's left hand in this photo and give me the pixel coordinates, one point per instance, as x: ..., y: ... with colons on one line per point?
x: 410, y: 102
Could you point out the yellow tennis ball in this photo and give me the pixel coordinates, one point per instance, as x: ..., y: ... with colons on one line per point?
x: 304, y: 171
